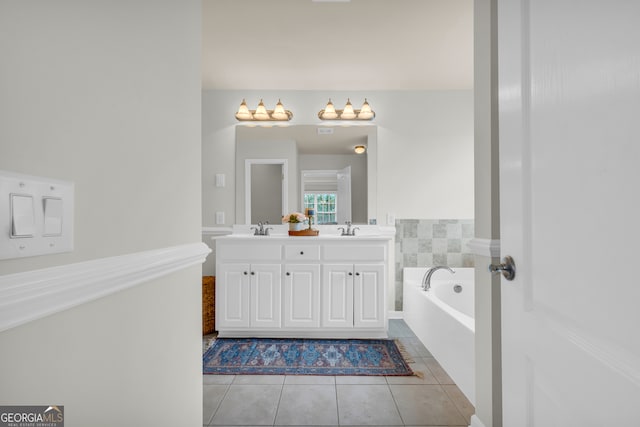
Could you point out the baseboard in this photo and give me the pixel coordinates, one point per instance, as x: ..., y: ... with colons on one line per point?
x: 475, y: 422
x: 31, y: 295
x: 395, y: 314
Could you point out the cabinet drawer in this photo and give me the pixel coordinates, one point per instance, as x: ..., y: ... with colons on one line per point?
x: 354, y: 253
x: 302, y: 253
x: 248, y: 253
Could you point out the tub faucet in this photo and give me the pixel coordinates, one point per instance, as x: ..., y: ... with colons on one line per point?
x: 426, y: 280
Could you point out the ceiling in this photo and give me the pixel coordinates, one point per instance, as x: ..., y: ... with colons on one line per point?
x: 347, y: 45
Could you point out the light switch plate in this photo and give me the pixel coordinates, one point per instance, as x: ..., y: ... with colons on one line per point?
x: 219, y: 217
x: 391, y: 219
x: 37, y: 215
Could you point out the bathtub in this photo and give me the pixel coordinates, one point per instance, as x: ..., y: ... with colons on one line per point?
x: 444, y: 321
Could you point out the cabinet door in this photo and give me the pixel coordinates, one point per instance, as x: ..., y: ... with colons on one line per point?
x: 232, y: 296
x: 368, y: 296
x: 337, y: 295
x: 301, y: 297
x: 265, y: 295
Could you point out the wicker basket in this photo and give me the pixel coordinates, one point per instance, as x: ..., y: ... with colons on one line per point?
x: 208, y: 304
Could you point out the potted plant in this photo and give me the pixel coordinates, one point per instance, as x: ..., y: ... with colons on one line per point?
x: 296, y: 221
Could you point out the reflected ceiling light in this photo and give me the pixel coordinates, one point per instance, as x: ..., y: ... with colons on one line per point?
x: 359, y: 149
x: 262, y: 114
x: 330, y: 113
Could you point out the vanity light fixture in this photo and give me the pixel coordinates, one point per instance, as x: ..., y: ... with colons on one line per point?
x: 330, y: 113
x: 359, y: 149
x: 261, y: 114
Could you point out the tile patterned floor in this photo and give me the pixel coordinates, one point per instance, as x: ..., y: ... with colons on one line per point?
x: 286, y: 400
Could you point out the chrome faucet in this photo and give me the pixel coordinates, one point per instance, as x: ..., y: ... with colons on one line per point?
x: 426, y: 279
x: 260, y: 230
x: 349, y: 231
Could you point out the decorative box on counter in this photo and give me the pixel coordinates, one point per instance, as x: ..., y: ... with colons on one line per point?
x: 305, y: 232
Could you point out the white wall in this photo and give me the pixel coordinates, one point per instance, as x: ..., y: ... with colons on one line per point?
x: 425, y: 146
x: 107, y: 95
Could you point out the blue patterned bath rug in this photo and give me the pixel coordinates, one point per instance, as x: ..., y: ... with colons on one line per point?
x: 296, y: 356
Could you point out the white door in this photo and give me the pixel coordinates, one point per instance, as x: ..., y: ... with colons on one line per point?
x: 368, y: 296
x: 569, y: 101
x: 266, y: 283
x: 232, y: 296
x: 344, y: 195
x: 301, y: 296
x: 337, y: 295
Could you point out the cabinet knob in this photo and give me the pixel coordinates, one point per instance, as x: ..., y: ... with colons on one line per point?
x: 357, y: 274
x: 301, y: 252
x: 253, y: 273
x: 245, y: 273
x: 288, y: 274
x: 350, y: 274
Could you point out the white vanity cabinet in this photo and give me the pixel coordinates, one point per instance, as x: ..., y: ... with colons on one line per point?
x: 301, y: 296
x: 277, y: 286
x: 232, y: 296
x: 353, y: 295
x: 353, y: 292
x: 250, y: 295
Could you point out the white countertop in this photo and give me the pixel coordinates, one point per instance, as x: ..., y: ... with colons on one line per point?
x: 285, y: 237
x: 327, y: 232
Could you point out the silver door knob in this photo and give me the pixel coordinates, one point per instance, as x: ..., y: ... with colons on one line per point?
x: 508, y: 268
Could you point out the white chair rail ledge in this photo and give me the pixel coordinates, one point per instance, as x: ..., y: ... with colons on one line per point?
x: 31, y: 295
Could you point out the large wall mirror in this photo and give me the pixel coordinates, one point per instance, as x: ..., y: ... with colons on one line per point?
x: 323, y: 171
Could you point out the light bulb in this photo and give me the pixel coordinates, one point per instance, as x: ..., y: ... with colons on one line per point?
x: 365, y: 112
x: 348, y: 112
x: 261, y: 112
x: 329, y: 112
x: 279, y: 113
x: 243, y: 112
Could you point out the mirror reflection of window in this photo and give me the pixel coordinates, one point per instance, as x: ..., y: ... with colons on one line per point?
x: 325, y: 206
x: 329, y: 193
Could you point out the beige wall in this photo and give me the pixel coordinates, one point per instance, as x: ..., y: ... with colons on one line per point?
x: 107, y: 95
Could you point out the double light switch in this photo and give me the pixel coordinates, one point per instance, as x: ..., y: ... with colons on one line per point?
x: 23, y: 216
x: 37, y: 214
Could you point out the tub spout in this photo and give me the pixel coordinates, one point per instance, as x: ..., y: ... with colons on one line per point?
x: 426, y: 280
